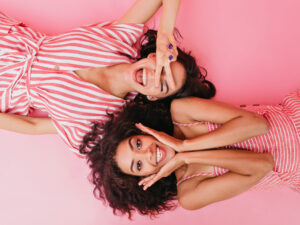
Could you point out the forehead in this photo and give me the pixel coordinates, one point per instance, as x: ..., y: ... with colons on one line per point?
x: 123, y: 156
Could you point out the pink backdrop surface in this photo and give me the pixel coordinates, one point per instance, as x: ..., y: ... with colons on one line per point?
x: 251, y: 51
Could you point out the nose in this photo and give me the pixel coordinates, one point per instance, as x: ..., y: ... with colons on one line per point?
x: 150, y: 154
x: 151, y: 73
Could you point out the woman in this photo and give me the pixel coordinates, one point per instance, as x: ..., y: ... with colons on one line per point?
x: 180, y: 152
x: 79, y: 76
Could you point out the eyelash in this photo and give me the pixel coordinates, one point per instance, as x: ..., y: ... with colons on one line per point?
x: 139, y: 165
x: 138, y: 144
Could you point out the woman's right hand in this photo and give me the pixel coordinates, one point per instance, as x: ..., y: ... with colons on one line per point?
x: 162, y: 137
x: 176, y: 162
x: 166, y: 52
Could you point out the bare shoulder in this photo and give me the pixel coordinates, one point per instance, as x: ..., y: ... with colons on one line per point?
x: 181, y: 108
x: 178, y: 104
x: 186, y: 188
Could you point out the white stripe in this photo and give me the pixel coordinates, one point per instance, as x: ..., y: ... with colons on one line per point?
x: 80, y: 59
x: 81, y: 50
x: 67, y: 90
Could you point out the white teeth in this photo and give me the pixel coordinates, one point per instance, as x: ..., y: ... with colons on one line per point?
x: 158, y: 155
x: 144, y: 77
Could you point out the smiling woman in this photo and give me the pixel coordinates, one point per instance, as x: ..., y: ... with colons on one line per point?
x: 79, y: 76
x: 213, y: 151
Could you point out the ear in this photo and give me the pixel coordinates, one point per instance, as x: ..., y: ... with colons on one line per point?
x: 151, y: 98
x: 152, y: 54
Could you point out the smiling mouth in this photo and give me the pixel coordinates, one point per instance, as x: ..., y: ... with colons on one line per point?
x: 159, y: 154
x: 140, y: 77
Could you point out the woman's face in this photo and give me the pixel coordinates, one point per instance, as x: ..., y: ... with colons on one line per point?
x: 141, y: 78
x: 142, y: 155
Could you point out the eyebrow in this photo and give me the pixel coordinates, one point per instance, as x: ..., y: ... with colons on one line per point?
x: 131, y: 147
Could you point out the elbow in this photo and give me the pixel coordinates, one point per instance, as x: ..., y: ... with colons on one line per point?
x: 261, y: 125
x: 265, y: 165
x: 264, y: 126
x: 269, y: 163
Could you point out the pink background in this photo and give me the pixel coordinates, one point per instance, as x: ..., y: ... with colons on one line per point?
x: 251, y: 50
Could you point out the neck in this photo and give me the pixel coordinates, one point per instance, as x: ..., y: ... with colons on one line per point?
x: 111, y: 79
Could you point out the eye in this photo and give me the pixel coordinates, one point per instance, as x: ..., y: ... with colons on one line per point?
x: 138, y: 144
x: 139, y: 165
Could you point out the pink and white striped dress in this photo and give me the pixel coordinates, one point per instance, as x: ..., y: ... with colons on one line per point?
x: 36, y: 71
x: 282, y: 141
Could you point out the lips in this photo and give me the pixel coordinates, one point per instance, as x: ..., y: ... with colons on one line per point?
x: 160, y: 154
x: 140, y: 77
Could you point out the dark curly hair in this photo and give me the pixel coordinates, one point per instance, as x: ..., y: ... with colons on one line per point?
x: 195, y: 84
x: 120, y: 190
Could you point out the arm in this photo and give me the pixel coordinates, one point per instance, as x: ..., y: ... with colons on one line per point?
x: 26, y: 124
x: 245, y: 170
x: 237, y: 124
x: 142, y: 10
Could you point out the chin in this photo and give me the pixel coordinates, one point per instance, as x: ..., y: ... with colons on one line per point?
x: 169, y: 154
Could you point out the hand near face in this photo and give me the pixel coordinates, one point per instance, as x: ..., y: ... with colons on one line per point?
x: 162, y: 137
x: 166, y: 52
x: 165, y: 171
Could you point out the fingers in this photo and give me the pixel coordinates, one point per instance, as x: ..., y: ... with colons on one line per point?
x: 174, y: 47
x: 155, y: 178
x: 169, y: 76
x: 166, y: 52
x: 146, y: 179
x: 158, y: 70
x: 146, y: 129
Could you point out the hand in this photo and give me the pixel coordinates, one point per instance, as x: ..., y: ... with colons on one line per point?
x: 162, y: 137
x: 165, y: 171
x: 166, y: 52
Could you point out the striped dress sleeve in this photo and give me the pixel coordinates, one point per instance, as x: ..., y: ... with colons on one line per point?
x: 6, y: 23
x: 117, y: 41
x: 120, y: 38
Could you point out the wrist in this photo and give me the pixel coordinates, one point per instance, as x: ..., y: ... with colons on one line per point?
x: 185, y: 145
x: 192, y: 145
x: 181, y: 159
x: 165, y: 30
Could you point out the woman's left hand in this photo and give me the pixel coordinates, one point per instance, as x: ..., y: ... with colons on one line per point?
x: 166, y: 52
x: 165, y: 171
x: 162, y: 137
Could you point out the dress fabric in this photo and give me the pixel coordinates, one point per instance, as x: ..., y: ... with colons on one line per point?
x: 282, y: 141
x: 37, y: 72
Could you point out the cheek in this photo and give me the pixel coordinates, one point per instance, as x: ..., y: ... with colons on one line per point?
x: 153, y: 91
x: 151, y: 170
